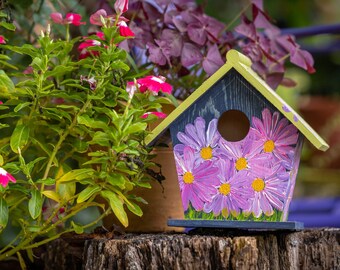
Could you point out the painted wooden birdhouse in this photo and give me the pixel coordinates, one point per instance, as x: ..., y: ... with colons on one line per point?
x: 237, y: 147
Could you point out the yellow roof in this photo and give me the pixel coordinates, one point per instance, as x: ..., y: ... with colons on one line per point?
x: 242, y: 64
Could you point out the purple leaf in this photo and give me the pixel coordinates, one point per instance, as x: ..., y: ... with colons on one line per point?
x: 302, y: 59
x: 190, y: 55
x: 213, y: 61
x: 173, y: 39
x: 247, y: 29
x: 288, y: 82
x: 197, y: 33
x: 274, y: 79
x: 156, y: 55
x: 258, y: 4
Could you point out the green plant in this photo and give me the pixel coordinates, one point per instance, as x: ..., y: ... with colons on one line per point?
x: 72, y: 130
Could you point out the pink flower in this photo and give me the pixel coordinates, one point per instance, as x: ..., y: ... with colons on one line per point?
x: 28, y: 70
x: 1, y: 102
x: 2, y: 40
x: 96, y: 18
x: 5, y: 177
x: 157, y: 114
x: 121, y: 6
x: 100, y: 18
x: 124, y: 30
x: 274, y: 136
x: 197, y: 181
x: 82, y: 48
x: 71, y: 18
x: 154, y: 84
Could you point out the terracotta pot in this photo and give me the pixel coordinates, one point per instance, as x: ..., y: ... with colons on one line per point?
x: 162, y: 204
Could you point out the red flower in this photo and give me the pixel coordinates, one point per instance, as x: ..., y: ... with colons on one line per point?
x: 5, y: 177
x: 158, y: 114
x: 154, y: 84
x: 2, y: 40
x: 1, y: 102
x: 121, y: 6
x: 82, y: 48
x: 124, y: 30
x: 71, y: 18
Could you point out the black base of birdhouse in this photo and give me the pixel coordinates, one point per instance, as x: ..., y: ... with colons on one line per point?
x: 241, y: 225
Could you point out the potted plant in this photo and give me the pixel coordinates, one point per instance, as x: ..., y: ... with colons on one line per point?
x: 72, y: 129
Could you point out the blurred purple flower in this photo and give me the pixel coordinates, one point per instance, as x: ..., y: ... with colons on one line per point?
x: 273, y: 135
x: 204, y: 142
x: 231, y: 194
x: 197, y: 181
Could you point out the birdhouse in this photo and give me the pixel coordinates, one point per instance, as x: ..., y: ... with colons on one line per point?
x: 237, y: 147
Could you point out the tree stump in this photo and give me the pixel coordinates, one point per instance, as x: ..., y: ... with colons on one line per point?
x: 201, y: 249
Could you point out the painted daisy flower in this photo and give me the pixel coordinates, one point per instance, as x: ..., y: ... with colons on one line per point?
x: 204, y: 142
x: 231, y: 195
x: 273, y: 135
x: 5, y: 177
x: 268, y: 193
x: 197, y: 181
x: 244, y: 155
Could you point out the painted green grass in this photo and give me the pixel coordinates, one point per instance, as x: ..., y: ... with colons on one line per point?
x: 191, y: 213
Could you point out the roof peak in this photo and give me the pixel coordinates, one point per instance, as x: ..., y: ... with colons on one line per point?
x: 235, y: 57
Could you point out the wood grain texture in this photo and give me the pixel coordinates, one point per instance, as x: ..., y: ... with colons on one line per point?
x: 202, y: 249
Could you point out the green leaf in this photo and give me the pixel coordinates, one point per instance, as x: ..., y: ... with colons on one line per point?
x: 100, y: 138
x: 1, y: 161
x: 58, y: 71
x: 19, y: 137
x: 134, y: 208
x: 117, y: 206
x: 21, y: 106
x: 87, y: 193
x: 51, y: 195
x: 89, y: 122
x: 135, y: 128
x: 77, y: 228
x: 116, y: 179
x: 47, y: 181
x: 66, y: 191
x: 8, y: 26
x: 35, y: 204
x: 21, y: 261
x: 3, y: 214
x: 6, y: 86
x: 76, y: 175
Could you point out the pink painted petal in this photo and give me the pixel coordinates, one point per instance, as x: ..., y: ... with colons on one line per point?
x: 189, y: 157
x: 256, y: 209
x: 185, y: 139
x: 259, y: 127
x: 275, y: 201
x: 265, y: 205
x: 267, y: 120
x: 200, y: 131
x: 212, y: 137
x: 185, y: 193
x: 57, y: 17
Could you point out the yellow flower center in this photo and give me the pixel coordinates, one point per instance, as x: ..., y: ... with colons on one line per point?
x: 269, y: 146
x: 241, y: 164
x: 188, y: 178
x: 206, y: 153
x: 224, y: 189
x: 258, y: 184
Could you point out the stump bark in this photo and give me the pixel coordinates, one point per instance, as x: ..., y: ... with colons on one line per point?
x: 308, y: 249
x: 201, y: 249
